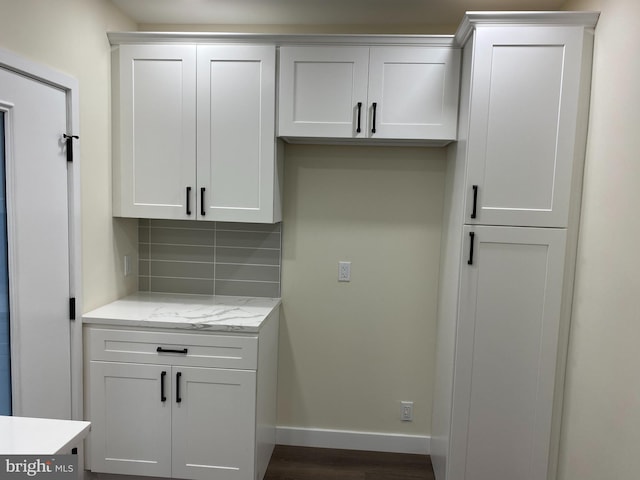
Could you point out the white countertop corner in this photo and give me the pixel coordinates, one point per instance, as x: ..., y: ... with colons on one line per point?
x: 40, y: 436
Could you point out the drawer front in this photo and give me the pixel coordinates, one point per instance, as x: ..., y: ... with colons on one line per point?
x: 163, y: 348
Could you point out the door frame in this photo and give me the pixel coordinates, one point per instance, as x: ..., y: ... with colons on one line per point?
x: 18, y: 64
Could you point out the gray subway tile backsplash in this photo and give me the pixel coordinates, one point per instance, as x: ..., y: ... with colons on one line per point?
x: 180, y: 285
x: 209, y: 258
x: 247, y: 289
x: 227, y: 238
x: 250, y: 256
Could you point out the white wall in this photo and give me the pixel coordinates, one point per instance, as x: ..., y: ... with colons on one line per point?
x: 601, y: 433
x: 70, y: 36
x: 350, y: 352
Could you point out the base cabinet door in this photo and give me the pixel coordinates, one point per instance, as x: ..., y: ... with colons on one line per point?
x: 509, y: 313
x: 213, y: 423
x: 130, y: 422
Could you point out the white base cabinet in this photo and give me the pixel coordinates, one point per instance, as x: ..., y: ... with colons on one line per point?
x: 181, y: 405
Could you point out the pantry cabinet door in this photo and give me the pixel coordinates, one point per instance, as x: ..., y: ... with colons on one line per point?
x: 522, y: 141
x: 214, y: 423
x: 130, y: 422
x: 236, y: 133
x: 320, y: 90
x: 154, y: 131
x: 509, y: 313
x: 415, y: 92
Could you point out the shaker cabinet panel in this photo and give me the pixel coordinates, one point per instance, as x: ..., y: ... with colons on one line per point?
x: 415, y: 91
x: 522, y: 139
x: 154, y: 140
x: 130, y: 421
x: 320, y: 88
x: 214, y: 401
x: 236, y: 125
x: 510, y: 306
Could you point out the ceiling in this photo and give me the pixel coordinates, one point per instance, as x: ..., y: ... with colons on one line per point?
x: 317, y: 12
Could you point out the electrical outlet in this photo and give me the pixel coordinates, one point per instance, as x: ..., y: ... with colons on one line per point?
x: 406, y: 412
x: 344, y: 271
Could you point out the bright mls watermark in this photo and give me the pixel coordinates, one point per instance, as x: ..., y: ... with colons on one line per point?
x: 51, y: 467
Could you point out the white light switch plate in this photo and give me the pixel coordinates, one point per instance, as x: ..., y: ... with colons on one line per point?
x: 344, y: 271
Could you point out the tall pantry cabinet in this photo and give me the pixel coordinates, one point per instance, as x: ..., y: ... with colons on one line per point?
x: 513, y: 198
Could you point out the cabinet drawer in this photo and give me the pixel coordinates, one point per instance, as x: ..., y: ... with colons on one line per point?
x: 163, y: 348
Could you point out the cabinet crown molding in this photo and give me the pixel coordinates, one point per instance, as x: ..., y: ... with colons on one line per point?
x: 119, y: 38
x: 471, y: 20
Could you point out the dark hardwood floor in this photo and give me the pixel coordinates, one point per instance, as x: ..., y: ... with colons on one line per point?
x: 305, y: 463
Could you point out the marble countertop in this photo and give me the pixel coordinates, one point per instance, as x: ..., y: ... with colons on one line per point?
x: 194, y: 312
x: 40, y: 436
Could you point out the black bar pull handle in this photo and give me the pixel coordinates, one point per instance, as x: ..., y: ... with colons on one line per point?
x: 475, y: 201
x: 373, y: 127
x: 188, y: 200
x: 163, y: 397
x: 172, y: 350
x: 358, y: 129
x: 202, y: 210
x: 178, y: 397
x: 69, y: 143
x: 471, y: 237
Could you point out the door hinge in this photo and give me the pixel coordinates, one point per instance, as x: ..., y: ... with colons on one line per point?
x: 69, y: 140
x: 72, y: 308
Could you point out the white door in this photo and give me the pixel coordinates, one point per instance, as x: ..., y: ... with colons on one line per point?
x: 510, y: 301
x: 35, y: 117
x: 213, y: 423
x: 522, y: 139
x: 131, y: 423
x: 236, y: 133
x: 323, y: 92
x: 413, y: 93
x: 155, y: 147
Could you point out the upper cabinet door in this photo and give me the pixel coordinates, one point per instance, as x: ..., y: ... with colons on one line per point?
x: 154, y: 136
x: 236, y: 133
x: 527, y: 84
x: 413, y: 92
x: 323, y: 91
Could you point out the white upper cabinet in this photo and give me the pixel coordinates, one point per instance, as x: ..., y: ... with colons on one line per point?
x: 527, y: 82
x: 414, y: 91
x: 194, y: 132
x: 236, y: 132
x: 320, y: 88
x: 154, y: 130
x: 393, y: 93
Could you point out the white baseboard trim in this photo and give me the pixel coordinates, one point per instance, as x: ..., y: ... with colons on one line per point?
x: 350, y: 440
